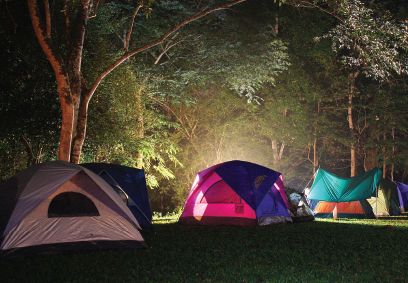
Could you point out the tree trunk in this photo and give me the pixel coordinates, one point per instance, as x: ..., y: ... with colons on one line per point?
x: 277, y: 152
x: 353, y: 143
x: 384, y: 149
x: 141, y: 126
x: 353, y: 160
x: 42, y: 31
x: 369, y: 159
x: 393, y: 154
x: 352, y: 133
x: 81, y: 122
x: 315, y: 158
x: 79, y: 92
x: 315, y: 155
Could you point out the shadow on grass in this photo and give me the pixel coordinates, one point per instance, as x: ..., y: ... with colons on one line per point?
x: 318, y: 251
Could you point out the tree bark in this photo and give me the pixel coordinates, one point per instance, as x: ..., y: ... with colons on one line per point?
x: 315, y: 158
x: 42, y: 30
x: 141, y: 131
x: 80, y: 94
x: 393, y: 154
x: 80, y: 132
x: 277, y: 152
x: 384, y: 149
x: 353, y: 160
x: 315, y: 155
x: 369, y: 159
x: 353, y: 143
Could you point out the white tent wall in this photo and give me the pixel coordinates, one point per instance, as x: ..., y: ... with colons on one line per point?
x: 44, y: 181
x: 47, y: 180
x: 32, y: 223
x: 37, y: 228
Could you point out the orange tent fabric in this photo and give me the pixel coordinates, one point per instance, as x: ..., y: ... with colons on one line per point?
x: 353, y: 209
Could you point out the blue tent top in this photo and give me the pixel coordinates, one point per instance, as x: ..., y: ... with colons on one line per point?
x: 132, y: 182
x: 329, y: 187
x: 242, y: 176
x: 403, y: 195
x: 213, y: 197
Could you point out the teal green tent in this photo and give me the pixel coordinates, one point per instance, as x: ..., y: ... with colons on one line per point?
x: 329, y: 187
x: 386, y: 200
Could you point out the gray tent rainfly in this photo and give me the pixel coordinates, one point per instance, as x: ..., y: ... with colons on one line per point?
x: 59, y: 206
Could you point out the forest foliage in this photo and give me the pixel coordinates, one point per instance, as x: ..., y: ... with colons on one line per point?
x: 249, y: 83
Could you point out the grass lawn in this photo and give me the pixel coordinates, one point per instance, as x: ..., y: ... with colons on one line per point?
x: 318, y: 251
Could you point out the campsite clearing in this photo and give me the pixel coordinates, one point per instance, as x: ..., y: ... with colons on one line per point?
x: 320, y: 251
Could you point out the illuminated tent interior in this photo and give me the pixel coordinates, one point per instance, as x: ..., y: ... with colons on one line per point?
x: 236, y: 193
x: 352, y: 209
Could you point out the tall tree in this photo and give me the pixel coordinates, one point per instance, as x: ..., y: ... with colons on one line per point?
x: 64, y: 48
x: 371, y: 42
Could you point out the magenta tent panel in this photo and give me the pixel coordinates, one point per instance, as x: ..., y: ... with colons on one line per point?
x: 236, y: 193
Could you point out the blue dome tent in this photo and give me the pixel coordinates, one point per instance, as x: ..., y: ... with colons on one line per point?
x: 130, y: 184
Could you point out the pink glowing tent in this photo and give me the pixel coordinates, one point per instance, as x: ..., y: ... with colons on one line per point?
x: 236, y: 193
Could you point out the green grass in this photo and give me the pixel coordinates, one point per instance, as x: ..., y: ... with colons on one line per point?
x: 319, y: 251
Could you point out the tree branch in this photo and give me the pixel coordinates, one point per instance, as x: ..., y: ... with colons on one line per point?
x: 29, y: 151
x: 96, y: 8
x: 11, y: 17
x: 131, y: 27
x: 127, y: 55
x: 167, y: 48
x: 310, y: 4
x: 47, y: 18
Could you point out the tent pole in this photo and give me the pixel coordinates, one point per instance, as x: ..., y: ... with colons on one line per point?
x: 308, y: 183
x: 335, y: 212
x: 376, y: 202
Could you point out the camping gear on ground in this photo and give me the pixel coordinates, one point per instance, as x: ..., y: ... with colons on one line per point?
x: 130, y: 184
x: 403, y: 195
x: 236, y: 193
x: 385, y: 201
x: 300, y: 211
x: 59, y: 206
x: 339, y: 192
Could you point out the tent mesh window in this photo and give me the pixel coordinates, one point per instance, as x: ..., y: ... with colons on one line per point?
x: 220, y: 192
x: 71, y: 204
